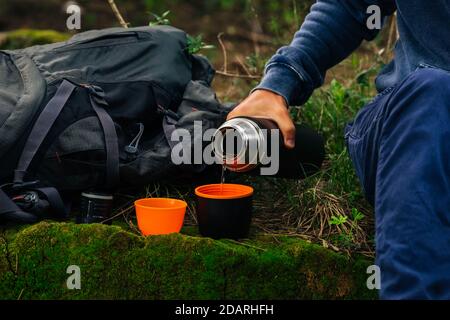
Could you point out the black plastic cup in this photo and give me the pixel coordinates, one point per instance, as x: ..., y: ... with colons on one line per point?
x: 224, y: 210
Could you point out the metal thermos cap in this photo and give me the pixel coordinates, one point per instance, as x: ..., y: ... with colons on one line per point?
x: 250, y: 146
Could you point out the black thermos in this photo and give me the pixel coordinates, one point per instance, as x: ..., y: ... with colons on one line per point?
x: 96, y: 207
x: 249, y: 134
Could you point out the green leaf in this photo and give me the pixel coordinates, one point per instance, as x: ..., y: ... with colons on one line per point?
x: 338, y: 220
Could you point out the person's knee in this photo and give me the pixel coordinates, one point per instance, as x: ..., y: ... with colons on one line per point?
x: 434, y: 83
x: 419, y: 110
x: 425, y: 92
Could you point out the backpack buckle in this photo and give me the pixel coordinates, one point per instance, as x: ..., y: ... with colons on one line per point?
x: 94, y: 90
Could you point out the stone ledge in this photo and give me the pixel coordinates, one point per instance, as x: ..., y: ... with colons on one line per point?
x: 116, y: 264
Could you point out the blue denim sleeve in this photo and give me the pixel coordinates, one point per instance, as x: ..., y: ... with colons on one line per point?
x: 331, y: 31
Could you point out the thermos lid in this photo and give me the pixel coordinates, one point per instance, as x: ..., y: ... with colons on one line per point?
x: 250, y: 146
x: 97, y: 195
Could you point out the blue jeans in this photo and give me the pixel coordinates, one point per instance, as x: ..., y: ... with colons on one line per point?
x: 400, y: 146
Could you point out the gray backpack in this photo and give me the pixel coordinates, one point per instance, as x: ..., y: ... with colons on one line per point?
x: 98, y: 110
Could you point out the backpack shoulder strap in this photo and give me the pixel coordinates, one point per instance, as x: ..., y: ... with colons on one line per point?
x: 47, y: 118
x: 9, y: 211
x: 41, y: 129
x: 98, y: 102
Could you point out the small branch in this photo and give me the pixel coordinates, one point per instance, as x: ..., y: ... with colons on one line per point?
x: 393, y: 33
x: 243, y: 66
x: 224, y: 51
x: 235, y: 75
x: 256, y: 27
x: 120, y: 213
x: 118, y: 14
x: 224, y: 71
x: 397, y: 32
x: 20, y: 294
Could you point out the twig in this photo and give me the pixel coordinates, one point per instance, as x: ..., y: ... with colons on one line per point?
x: 224, y: 71
x: 256, y: 27
x: 133, y: 227
x: 224, y: 52
x: 397, y: 32
x: 393, y: 33
x: 20, y: 294
x: 296, y: 19
x: 235, y: 75
x: 118, y: 14
x: 120, y: 213
x: 244, y: 244
x: 243, y: 66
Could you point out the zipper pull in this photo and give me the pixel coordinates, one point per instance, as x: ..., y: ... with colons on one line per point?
x: 132, y: 148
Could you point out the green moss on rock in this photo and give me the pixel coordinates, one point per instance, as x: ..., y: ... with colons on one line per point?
x: 116, y: 264
x: 23, y: 38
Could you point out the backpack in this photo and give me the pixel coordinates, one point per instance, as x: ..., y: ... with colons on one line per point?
x: 98, y: 111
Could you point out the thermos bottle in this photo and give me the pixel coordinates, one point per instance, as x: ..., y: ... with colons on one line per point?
x: 249, y: 134
x: 96, y: 207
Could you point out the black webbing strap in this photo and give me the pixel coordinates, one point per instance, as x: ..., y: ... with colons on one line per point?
x: 99, y: 103
x: 48, y: 117
x: 169, y: 126
x: 58, y: 209
x: 41, y: 129
x: 9, y: 211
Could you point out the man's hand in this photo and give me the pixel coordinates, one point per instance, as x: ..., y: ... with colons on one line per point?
x: 268, y: 105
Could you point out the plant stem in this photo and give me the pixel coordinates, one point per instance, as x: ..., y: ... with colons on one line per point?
x: 118, y: 14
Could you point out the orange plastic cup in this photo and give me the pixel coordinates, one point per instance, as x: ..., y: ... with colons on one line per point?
x: 156, y: 216
x: 225, y: 191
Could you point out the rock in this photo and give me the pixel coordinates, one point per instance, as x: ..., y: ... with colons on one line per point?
x: 116, y: 264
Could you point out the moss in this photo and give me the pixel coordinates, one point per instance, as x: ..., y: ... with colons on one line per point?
x: 23, y: 38
x: 116, y: 264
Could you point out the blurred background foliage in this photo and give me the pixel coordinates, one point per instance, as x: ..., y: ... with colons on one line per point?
x: 275, y: 16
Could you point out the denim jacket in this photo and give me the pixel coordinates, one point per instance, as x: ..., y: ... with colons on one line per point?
x: 335, y: 28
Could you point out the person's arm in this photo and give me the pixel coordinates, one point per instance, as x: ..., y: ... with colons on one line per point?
x: 331, y: 32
